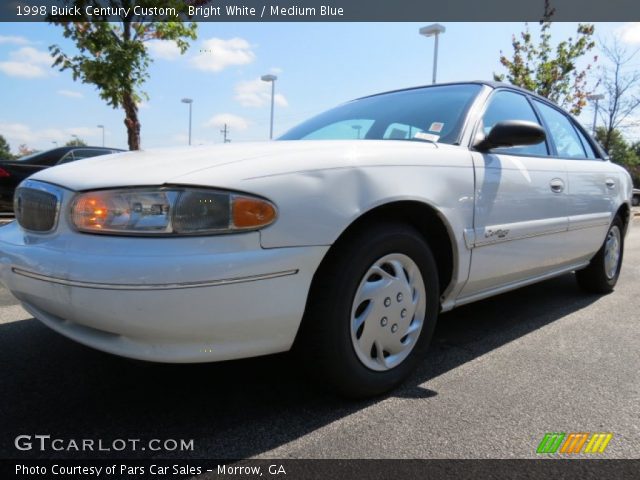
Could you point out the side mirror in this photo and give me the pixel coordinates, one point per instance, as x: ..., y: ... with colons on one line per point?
x: 512, y: 133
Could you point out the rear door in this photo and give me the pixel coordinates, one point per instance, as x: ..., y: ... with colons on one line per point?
x: 521, y: 206
x: 593, y: 185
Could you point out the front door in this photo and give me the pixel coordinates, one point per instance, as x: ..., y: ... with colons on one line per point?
x: 521, y: 207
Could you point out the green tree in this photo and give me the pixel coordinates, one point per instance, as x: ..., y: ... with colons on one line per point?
x: 76, y: 142
x: 552, y: 73
x: 5, y: 150
x: 111, y: 50
x: 621, y: 152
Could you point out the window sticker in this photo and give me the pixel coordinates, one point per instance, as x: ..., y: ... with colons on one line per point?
x: 436, y: 127
x: 427, y: 136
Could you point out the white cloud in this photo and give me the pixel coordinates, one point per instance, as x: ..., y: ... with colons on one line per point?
x: 217, y: 54
x: 70, y: 93
x: 275, y: 70
x: 83, y: 132
x: 19, y: 133
x: 164, y: 49
x: 31, y: 55
x: 280, y: 100
x: 256, y: 93
x: 630, y: 33
x: 22, y: 70
x: 13, y: 40
x: 16, y: 132
x: 27, y: 62
x: 234, y: 122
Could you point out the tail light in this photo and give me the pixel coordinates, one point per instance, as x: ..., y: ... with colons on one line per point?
x: 4, y: 173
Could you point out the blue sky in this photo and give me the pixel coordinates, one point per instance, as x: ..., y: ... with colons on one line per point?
x: 318, y: 65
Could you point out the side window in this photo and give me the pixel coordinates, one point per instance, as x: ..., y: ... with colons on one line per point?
x: 68, y: 157
x: 505, y: 105
x: 80, y: 153
x: 87, y: 153
x: 562, y: 132
x: 591, y: 154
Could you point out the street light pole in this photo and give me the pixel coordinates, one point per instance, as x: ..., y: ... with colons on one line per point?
x: 433, y: 30
x: 190, y: 102
x: 272, y: 79
x: 102, y: 127
x: 597, y: 98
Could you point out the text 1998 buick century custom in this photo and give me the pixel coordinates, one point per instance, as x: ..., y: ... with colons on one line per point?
x: 345, y: 238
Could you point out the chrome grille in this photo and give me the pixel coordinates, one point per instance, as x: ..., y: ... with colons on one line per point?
x: 36, y: 209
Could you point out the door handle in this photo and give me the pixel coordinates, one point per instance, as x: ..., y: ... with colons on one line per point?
x: 557, y: 185
x: 610, y: 183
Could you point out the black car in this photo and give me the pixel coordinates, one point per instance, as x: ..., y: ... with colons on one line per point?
x: 14, y: 171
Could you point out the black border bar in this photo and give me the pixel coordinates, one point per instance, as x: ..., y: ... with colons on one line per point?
x: 179, y: 469
x: 348, y: 10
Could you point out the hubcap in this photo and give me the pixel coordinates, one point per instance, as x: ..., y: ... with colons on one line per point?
x: 388, y: 312
x: 612, y: 252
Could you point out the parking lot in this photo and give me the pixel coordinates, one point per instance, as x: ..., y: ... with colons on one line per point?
x: 500, y: 374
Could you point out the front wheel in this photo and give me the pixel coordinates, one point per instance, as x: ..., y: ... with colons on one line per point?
x: 603, y: 271
x: 372, y: 310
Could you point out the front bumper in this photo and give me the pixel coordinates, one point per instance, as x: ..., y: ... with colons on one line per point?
x: 162, y: 299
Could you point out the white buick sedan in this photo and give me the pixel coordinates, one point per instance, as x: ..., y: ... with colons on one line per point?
x: 345, y: 238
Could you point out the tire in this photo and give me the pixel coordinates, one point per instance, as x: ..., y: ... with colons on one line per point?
x: 603, y: 271
x: 635, y: 200
x: 378, y: 286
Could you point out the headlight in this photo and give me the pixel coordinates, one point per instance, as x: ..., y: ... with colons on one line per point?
x: 169, y: 211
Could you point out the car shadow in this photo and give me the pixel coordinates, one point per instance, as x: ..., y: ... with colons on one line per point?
x: 51, y: 385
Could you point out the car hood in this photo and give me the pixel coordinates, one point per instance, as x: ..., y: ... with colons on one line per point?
x: 221, y: 163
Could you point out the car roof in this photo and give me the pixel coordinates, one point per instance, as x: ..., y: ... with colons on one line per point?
x: 91, y: 147
x: 488, y: 83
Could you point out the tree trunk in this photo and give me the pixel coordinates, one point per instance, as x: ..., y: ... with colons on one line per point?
x: 131, y: 121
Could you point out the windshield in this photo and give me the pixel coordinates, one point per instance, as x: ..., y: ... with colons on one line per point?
x: 432, y: 114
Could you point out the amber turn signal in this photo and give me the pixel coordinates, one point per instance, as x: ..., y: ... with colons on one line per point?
x: 252, y: 212
x: 90, y: 213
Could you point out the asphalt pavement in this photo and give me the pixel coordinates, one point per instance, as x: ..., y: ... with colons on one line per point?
x: 500, y: 374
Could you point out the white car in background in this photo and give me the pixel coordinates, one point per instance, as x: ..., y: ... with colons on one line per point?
x: 346, y: 237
